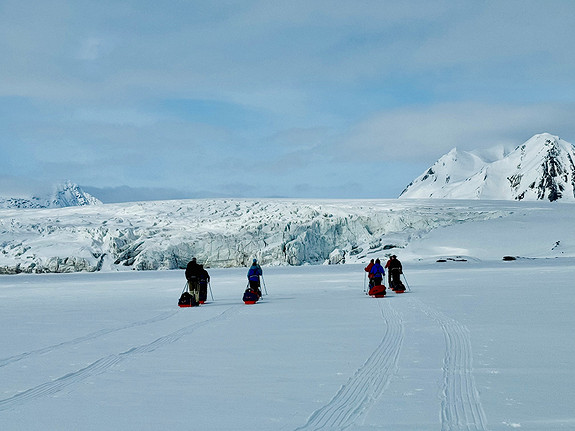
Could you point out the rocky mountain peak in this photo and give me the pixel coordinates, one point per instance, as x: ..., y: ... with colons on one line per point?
x: 66, y: 194
x: 542, y: 168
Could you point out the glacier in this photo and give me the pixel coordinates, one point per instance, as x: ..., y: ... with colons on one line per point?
x: 163, y: 235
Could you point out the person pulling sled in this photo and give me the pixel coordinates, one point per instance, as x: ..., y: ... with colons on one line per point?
x: 394, y: 274
x: 254, y: 274
x: 203, y: 283
x: 377, y: 272
x: 252, y: 294
x: 193, y: 276
x: 369, y: 274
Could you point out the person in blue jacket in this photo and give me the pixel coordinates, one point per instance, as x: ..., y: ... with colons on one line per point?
x: 254, y: 274
x: 377, y: 272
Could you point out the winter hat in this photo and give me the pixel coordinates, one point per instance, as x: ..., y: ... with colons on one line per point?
x: 255, y: 260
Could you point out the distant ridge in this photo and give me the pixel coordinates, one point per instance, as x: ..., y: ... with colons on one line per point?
x: 66, y: 194
x: 543, y: 168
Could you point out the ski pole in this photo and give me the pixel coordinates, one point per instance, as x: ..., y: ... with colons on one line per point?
x: 406, y: 283
x: 211, y: 293
x: 265, y: 288
x: 364, y: 278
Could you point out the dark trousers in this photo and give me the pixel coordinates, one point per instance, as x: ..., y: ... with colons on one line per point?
x: 194, y: 288
x: 255, y: 285
x: 203, y: 290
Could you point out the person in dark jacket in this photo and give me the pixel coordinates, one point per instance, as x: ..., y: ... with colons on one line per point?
x: 394, y: 270
x: 204, y: 280
x: 193, y: 275
x: 254, y: 274
x: 377, y: 273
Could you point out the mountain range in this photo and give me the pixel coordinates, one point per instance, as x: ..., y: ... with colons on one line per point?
x: 66, y: 194
x: 543, y: 168
x: 153, y: 235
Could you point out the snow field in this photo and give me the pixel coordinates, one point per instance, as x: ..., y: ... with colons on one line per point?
x: 473, y: 346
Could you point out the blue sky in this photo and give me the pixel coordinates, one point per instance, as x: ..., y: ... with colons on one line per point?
x: 140, y: 99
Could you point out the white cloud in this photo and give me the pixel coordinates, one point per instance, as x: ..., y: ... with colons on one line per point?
x: 305, y: 88
x: 23, y: 187
x: 93, y: 48
x: 427, y: 133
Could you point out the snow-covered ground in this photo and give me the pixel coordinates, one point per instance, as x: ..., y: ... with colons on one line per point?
x: 473, y: 346
x: 478, y: 343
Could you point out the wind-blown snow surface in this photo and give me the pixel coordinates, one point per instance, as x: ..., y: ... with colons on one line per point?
x: 472, y: 346
x: 228, y: 233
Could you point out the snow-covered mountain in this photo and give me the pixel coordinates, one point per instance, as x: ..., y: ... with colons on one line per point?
x: 66, y: 194
x: 229, y: 233
x: 543, y: 168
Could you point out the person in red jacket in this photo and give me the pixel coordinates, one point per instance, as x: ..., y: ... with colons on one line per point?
x: 369, y: 275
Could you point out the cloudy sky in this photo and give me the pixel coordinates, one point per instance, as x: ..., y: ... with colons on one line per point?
x: 141, y: 99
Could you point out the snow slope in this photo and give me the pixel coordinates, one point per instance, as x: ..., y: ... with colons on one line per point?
x: 228, y: 233
x: 473, y: 346
x: 543, y: 168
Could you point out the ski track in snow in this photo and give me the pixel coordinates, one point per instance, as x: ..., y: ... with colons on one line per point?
x: 103, y: 364
x: 368, y: 383
x: 87, y: 337
x: 461, y: 408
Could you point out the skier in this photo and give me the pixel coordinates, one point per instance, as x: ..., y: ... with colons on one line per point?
x: 254, y: 274
x: 204, y: 280
x: 369, y: 275
x: 377, y: 273
x: 393, y: 274
x: 193, y: 275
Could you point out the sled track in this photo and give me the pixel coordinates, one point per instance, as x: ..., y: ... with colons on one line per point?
x: 87, y: 337
x: 367, y: 384
x: 103, y: 364
x: 461, y: 408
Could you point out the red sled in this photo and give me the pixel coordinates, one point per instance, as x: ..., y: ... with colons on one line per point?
x: 377, y: 291
x: 187, y: 300
x: 250, y: 297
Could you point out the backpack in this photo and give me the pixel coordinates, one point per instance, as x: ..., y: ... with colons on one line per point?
x: 379, y: 271
x: 254, y: 273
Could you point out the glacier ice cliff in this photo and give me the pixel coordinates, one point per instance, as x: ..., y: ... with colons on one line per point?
x: 219, y: 233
